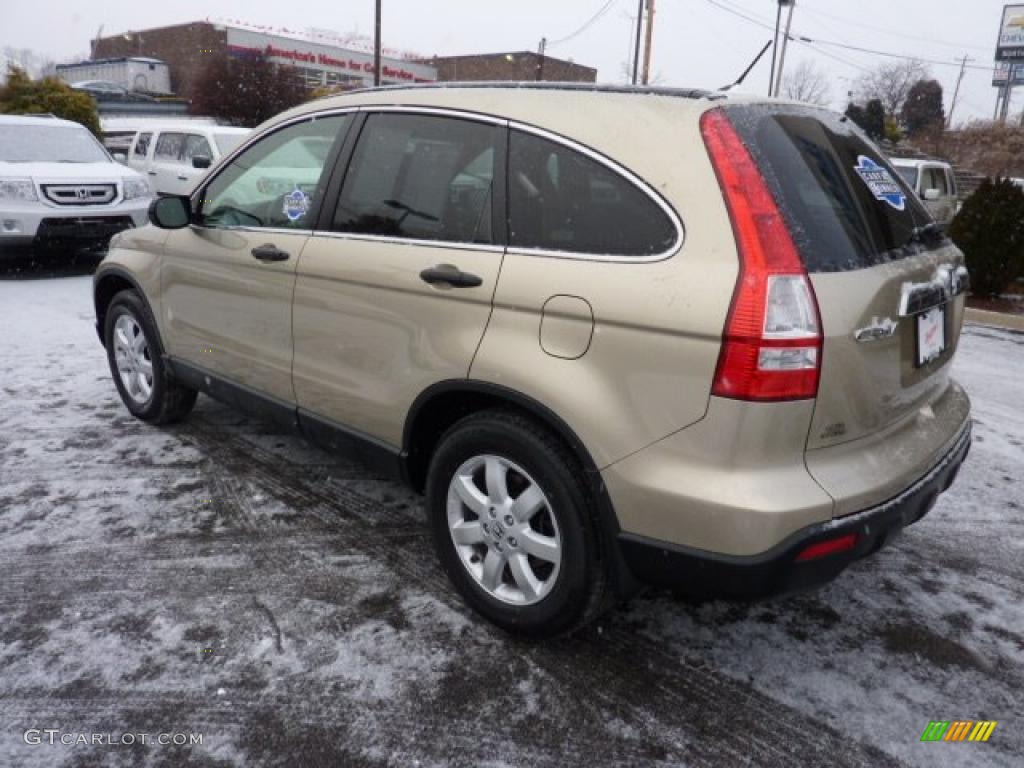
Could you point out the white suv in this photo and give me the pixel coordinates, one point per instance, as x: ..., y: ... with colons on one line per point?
x: 175, y: 156
x: 60, y: 187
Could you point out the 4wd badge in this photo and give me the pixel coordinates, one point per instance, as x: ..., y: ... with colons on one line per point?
x: 881, y: 183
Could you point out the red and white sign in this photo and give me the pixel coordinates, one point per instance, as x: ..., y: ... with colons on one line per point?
x: 286, y: 50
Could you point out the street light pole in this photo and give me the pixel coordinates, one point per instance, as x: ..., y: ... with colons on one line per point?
x: 376, y: 46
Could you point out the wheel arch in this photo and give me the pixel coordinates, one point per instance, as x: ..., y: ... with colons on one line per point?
x: 107, y: 284
x: 442, y: 404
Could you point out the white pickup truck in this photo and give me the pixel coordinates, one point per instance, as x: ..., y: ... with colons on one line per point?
x: 175, y: 156
x: 59, y: 187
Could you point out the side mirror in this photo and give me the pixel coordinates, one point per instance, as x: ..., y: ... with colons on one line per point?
x: 202, y: 161
x: 931, y: 195
x: 121, y: 157
x: 172, y: 212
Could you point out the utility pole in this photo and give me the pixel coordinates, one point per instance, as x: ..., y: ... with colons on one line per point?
x: 376, y: 46
x: 636, y: 47
x: 956, y: 90
x: 647, y: 41
x: 775, y: 48
x: 785, y: 44
x: 540, y: 53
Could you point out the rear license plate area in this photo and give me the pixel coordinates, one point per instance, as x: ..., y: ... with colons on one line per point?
x: 930, y: 335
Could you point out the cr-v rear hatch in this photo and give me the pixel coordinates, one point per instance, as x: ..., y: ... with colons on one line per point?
x: 889, y: 288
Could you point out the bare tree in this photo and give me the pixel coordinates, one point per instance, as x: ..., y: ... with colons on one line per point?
x: 890, y: 83
x: 807, y: 83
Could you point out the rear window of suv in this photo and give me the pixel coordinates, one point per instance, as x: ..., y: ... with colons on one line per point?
x: 846, y: 207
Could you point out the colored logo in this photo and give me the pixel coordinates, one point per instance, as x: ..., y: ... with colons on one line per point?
x: 958, y: 730
x: 296, y: 205
x: 881, y: 183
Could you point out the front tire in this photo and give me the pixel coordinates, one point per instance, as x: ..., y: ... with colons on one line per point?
x: 513, y: 527
x: 136, y: 363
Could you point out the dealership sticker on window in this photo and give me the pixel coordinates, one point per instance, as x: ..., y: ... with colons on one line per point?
x: 296, y: 204
x: 881, y: 183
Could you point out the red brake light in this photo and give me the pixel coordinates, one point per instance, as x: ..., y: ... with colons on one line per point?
x: 828, y: 547
x: 771, y: 348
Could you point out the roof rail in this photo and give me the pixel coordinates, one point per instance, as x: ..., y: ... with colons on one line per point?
x: 550, y: 85
x: 36, y: 114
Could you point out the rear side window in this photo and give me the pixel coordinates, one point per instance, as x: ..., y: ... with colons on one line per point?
x: 421, y: 177
x: 561, y: 200
x: 845, y: 206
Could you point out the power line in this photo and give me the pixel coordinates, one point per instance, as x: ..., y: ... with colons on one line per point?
x: 883, y: 30
x: 601, y: 12
x: 859, y: 49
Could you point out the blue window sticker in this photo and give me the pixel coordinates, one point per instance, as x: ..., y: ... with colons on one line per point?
x: 296, y: 205
x: 881, y: 183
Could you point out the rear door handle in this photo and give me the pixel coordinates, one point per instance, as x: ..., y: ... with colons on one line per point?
x: 269, y: 252
x: 151, y: 173
x: 182, y: 178
x: 450, y: 274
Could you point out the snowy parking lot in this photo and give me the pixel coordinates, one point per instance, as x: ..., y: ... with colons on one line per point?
x: 225, y: 579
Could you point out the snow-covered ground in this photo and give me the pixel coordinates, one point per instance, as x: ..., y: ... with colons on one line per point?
x: 226, y: 579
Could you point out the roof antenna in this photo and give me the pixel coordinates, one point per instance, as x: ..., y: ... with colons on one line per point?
x: 747, y: 70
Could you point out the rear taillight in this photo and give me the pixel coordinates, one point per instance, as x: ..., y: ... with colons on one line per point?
x: 771, y: 348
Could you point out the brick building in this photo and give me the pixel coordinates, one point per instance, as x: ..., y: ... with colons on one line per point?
x: 320, y: 59
x: 518, y: 65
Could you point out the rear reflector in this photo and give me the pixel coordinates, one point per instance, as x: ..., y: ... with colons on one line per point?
x: 771, y: 347
x: 828, y: 547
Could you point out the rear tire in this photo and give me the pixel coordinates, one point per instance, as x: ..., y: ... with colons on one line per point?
x: 527, y: 557
x: 135, y: 355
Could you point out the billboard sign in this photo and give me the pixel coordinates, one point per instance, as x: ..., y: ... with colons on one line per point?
x: 1008, y: 73
x: 316, y: 60
x: 1011, y: 34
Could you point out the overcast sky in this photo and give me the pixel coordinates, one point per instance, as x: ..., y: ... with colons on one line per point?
x: 696, y: 43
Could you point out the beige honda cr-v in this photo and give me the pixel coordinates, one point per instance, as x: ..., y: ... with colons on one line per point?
x: 616, y: 336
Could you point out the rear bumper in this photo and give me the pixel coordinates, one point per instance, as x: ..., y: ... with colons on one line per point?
x: 707, y: 574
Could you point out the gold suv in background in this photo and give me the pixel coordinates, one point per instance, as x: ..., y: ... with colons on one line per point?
x: 614, y: 335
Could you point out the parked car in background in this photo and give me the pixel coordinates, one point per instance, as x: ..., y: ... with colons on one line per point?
x: 59, y: 186
x: 614, y: 335
x: 174, y: 156
x: 934, y: 182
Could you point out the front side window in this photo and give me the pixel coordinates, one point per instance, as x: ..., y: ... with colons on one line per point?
x: 562, y: 200
x: 142, y: 145
x: 196, y: 146
x: 276, y: 182
x: 422, y: 177
x: 169, y: 146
